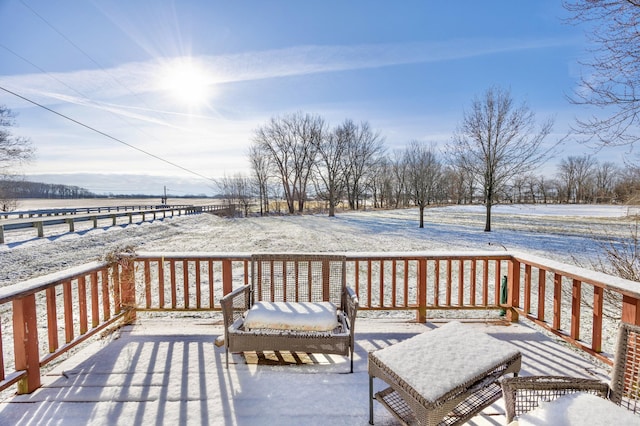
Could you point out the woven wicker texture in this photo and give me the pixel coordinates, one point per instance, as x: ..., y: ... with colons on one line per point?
x: 625, y: 379
x: 523, y: 394
x: 298, y: 278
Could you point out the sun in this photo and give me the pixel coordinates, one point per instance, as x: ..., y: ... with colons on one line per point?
x: 186, y: 81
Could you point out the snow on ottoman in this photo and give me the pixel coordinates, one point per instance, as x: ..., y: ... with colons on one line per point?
x: 450, y: 372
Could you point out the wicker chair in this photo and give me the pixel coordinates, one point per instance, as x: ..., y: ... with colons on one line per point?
x: 292, y: 278
x: 522, y: 394
x: 625, y: 379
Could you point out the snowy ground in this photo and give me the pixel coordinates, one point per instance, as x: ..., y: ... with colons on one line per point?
x: 566, y: 233
x: 168, y: 372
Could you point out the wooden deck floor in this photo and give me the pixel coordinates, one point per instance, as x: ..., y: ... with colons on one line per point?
x: 168, y: 372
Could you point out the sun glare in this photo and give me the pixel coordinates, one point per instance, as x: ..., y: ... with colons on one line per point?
x: 186, y: 82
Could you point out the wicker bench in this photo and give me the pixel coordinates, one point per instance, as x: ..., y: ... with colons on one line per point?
x: 441, y: 377
x: 295, y: 282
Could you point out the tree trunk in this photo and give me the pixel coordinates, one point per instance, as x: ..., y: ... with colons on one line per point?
x: 421, y: 216
x: 487, y: 225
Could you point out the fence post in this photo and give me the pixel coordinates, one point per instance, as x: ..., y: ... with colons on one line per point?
x: 227, y: 277
x: 25, y: 342
x: 421, y: 315
x: 128, y: 289
x: 630, y: 310
x: 513, y: 299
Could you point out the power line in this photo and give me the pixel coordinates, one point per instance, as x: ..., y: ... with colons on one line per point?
x: 93, y: 129
x: 96, y: 63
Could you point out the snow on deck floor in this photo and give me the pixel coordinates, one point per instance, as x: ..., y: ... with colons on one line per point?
x: 168, y: 372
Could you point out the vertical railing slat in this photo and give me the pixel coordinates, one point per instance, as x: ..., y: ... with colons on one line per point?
x: 95, y: 300
x: 369, y: 291
x: 436, y: 283
x: 394, y: 271
x: 576, y: 299
x: 381, y: 283
x: 461, y: 282
x: 485, y: 282
x: 596, y: 334
x: 185, y: 280
x: 472, y: 299
x: 52, y: 319
x: 449, y: 279
x: 211, y: 289
x: 82, y: 302
x: 68, y: 311
x: 198, y: 287
x: 542, y: 283
x: 106, y: 305
x: 161, y: 300
x: 406, y: 283
x: 527, y: 289
x: 557, y: 300
x: 174, y: 290
x: 147, y: 283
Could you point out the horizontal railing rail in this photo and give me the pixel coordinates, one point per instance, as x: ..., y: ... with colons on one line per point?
x: 20, y: 214
x: 37, y: 315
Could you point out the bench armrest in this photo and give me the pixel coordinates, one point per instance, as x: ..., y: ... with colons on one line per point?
x: 234, y: 305
x: 350, y: 308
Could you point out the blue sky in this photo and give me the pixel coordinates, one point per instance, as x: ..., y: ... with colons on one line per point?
x: 189, y: 81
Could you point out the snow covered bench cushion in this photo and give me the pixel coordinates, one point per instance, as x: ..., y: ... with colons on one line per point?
x: 297, y: 316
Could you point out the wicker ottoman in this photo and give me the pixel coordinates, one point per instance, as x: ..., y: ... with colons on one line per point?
x: 441, y: 377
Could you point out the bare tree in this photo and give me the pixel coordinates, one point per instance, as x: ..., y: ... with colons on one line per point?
x: 496, y: 142
x: 627, y: 188
x: 424, y: 172
x: 576, y: 172
x: 399, y: 170
x: 291, y: 144
x: 331, y: 150
x: 236, y: 190
x: 605, y: 179
x: 613, y: 85
x: 364, y: 148
x: 260, y: 166
x: 14, y: 150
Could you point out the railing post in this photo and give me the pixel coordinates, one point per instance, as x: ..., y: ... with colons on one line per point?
x: 39, y: 228
x: 513, y: 299
x: 25, y: 342
x: 421, y: 315
x: 128, y: 289
x: 630, y: 310
x: 227, y: 277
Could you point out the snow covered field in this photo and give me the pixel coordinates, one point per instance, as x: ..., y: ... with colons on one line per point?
x: 566, y: 233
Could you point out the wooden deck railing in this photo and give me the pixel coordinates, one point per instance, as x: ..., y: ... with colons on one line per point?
x: 43, y: 318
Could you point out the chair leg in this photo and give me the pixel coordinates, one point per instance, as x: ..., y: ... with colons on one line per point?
x: 227, y: 358
x: 370, y: 399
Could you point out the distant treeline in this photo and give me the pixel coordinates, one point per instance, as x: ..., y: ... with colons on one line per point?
x: 19, y: 189
x: 12, y: 189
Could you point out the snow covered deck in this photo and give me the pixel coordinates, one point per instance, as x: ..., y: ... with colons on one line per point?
x: 168, y: 371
